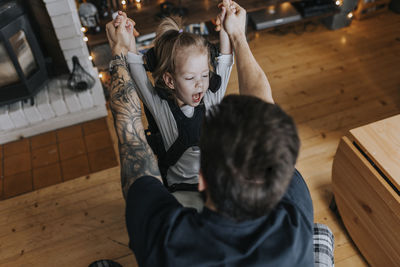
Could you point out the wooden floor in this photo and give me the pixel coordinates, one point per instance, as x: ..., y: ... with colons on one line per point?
x: 329, y: 81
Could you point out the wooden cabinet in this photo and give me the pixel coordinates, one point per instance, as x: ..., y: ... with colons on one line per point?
x: 366, y: 178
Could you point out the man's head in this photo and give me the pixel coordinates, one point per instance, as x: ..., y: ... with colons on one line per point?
x: 248, y: 152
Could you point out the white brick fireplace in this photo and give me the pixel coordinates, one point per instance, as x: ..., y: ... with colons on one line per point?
x: 55, y: 106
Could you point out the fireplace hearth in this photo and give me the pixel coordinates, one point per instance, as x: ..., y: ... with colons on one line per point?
x: 54, y: 105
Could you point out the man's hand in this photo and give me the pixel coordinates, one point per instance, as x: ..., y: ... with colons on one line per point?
x: 120, y: 38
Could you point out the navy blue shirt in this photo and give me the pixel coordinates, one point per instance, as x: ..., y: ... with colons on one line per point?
x: 163, y: 233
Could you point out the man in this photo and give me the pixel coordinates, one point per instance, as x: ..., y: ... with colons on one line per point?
x: 258, y: 210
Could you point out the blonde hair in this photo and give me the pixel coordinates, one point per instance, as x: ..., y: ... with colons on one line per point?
x: 171, y: 40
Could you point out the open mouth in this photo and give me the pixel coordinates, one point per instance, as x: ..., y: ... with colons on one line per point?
x: 197, y: 97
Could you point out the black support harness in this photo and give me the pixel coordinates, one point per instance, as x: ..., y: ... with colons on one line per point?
x: 188, y: 129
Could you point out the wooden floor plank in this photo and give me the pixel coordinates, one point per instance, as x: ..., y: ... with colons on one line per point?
x: 329, y: 81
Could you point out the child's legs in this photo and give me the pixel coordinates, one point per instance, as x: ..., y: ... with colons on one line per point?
x: 190, y: 199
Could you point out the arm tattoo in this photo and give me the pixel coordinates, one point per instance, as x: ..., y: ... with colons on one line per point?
x: 137, y: 158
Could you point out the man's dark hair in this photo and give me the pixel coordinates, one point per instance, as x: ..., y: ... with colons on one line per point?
x: 248, y: 152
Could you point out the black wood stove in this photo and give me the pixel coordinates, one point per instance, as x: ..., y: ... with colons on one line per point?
x: 22, y: 65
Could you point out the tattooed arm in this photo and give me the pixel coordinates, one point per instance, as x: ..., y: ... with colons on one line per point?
x: 137, y: 158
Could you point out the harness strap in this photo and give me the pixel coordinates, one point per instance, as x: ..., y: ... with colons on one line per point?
x: 188, y: 132
x: 183, y: 187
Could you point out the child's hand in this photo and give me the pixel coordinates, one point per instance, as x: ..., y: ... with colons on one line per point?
x: 130, y: 26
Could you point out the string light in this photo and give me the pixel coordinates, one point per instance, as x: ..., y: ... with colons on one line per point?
x: 337, y: 3
x: 85, y: 38
x: 137, y: 1
x: 90, y: 58
x: 123, y: 2
x: 83, y: 29
x: 100, y: 75
x: 350, y: 15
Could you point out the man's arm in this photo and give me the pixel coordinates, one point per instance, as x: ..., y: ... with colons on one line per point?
x: 137, y: 158
x: 252, y: 79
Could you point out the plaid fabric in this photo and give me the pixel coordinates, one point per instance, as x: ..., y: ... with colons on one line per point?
x: 323, y: 246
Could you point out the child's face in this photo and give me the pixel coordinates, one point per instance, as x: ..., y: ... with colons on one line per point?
x: 191, y: 76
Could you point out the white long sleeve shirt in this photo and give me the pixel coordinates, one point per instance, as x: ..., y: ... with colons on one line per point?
x: 187, y: 168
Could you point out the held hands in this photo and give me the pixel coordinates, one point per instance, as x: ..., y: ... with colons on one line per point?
x: 130, y: 23
x: 232, y: 18
x: 121, y: 34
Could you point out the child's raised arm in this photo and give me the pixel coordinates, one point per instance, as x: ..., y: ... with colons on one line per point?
x: 224, y: 41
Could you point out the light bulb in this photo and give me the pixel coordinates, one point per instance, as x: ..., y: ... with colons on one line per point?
x: 90, y: 58
x: 85, y: 38
x: 100, y: 75
x: 123, y: 2
x: 350, y: 15
x: 83, y: 29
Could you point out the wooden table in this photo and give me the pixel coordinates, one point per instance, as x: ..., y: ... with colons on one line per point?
x: 366, y: 184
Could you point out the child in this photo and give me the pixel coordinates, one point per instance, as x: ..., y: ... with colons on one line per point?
x: 180, y: 95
